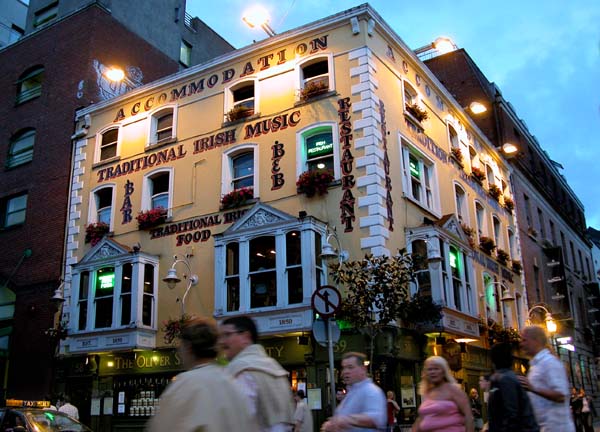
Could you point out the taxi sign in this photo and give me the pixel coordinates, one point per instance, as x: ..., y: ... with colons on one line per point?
x: 19, y: 403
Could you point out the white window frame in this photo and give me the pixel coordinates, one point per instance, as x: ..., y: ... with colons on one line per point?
x: 137, y: 292
x: 147, y: 189
x: 497, y: 231
x: 99, y: 136
x: 307, y: 132
x: 462, y: 211
x: 185, y: 53
x: 93, y: 204
x: 302, y: 63
x: 153, y: 124
x: 481, y: 223
x: 227, y: 167
x: 24, y: 155
x: 456, y: 142
x: 425, y: 162
x: 230, y: 103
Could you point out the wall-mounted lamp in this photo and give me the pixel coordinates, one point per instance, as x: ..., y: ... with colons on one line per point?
x: 328, y: 251
x: 172, y: 279
x: 509, y: 149
x: 507, y: 296
x: 550, y: 323
x: 258, y: 17
x: 115, y: 74
x: 477, y: 107
x: 441, y: 45
x: 58, y: 298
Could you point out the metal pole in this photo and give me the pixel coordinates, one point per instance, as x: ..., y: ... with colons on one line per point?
x: 331, y: 365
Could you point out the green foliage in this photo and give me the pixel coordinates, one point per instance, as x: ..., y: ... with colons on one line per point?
x: 421, y: 309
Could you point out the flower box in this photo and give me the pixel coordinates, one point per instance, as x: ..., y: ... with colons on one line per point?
x: 60, y: 332
x: 457, y: 155
x: 239, y: 112
x: 314, y: 181
x: 314, y: 88
x: 94, y: 232
x: 517, y: 267
x: 495, y: 192
x: 469, y: 232
x: 487, y: 244
x: 236, y: 198
x: 173, y: 327
x: 151, y: 218
x: 477, y: 175
x: 417, y: 112
x: 509, y: 204
x: 502, y: 256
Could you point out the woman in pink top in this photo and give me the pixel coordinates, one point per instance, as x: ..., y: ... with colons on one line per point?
x: 444, y: 406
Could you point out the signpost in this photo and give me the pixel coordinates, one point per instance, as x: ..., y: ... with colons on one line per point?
x: 326, y: 301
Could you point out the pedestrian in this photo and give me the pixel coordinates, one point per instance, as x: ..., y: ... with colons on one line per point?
x: 476, y: 409
x: 65, y: 406
x: 364, y: 407
x: 392, y: 411
x: 509, y: 408
x: 303, y: 421
x: 444, y: 405
x: 546, y: 382
x: 588, y: 412
x: 485, y: 384
x: 204, y: 398
x: 575, y: 404
x: 260, y: 378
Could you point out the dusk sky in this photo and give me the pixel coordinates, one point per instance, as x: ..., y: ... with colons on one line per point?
x: 544, y: 56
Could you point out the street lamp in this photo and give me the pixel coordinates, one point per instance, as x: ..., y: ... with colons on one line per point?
x: 550, y: 323
x: 258, y: 17
x: 506, y: 297
x: 328, y: 251
x: 441, y: 45
x: 58, y: 298
x: 172, y: 279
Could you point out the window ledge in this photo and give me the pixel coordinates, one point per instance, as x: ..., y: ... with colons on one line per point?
x: 414, y: 121
x: 18, y: 165
x: 161, y: 143
x: 227, y: 123
x: 12, y: 227
x: 106, y: 162
x: 315, y: 98
x: 123, y: 337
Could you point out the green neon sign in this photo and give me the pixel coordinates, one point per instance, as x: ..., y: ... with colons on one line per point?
x: 107, y: 280
x: 414, y: 169
x: 320, y: 148
x: 453, y: 259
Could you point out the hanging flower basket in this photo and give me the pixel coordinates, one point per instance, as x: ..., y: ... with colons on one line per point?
x: 151, y: 218
x: 469, y: 232
x: 239, y: 112
x: 94, y: 232
x: 502, y: 256
x: 417, y: 112
x: 494, y: 192
x: 487, y: 244
x: 173, y: 327
x: 517, y: 267
x: 457, y: 155
x: 237, y: 198
x: 313, y: 182
x: 314, y: 88
x: 60, y: 332
x: 477, y: 175
x: 509, y: 204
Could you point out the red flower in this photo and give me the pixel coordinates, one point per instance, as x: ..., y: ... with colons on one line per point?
x: 314, y: 181
x: 151, y: 218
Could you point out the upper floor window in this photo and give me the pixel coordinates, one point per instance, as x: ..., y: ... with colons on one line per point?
x: 480, y: 218
x: 241, y: 100
x: 497, y: 232
x: 21, y: 148
x: 45, y: 15
x: 411, y: 96
x: 420, y: 184
x: 462, y: 210
x: 490, y: 175
x: 315, y: 77
x: 239, y: 169
x: 159, y: 187
x: 473, y: 157
x: 421, y: 267
x: 101, y: 205
x: 185, y: 53
x: 108, y: 144
x: 13, y: 210
x: 29, y: 85
x: 318, y: 148
x: 453, y: 137
x: 162, y: 128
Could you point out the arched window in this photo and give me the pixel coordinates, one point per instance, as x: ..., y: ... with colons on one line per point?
x: 241, y: 100
x: 453, y: 137
x: 315, y: 76
x: 158, y: 190
x: 480, y: 215
x: 108, y: 144
x: 239, y: 169
x: 29, y: 85
x: 462, y: 210
x: 162, y: 126
x: 21, y: 148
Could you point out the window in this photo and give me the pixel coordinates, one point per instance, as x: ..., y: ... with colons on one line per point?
x: 29, y: 85
x: 21, y: 148
x: 480, y: 216
x: 272, y: 269
x: 162, y: 128
x: 13, y: 210
x: 45, y: 15
x: 552, y: 232
x: 411, y: 96
x: 241, y: 100
x: 473, y: 157
x: 563, y: 243
x: 527, y: 210
x: 239, y: 169
x: 453, y: 137
x: 462, y: 211
x: 542, y: 223
x: 497, y: 232
x: 456, y: 268
x: 421, y: 267
x: 318, y: 148
x: 101, y: 205
x: 159, y: 190
x: 107, y: 296
x: 315, y: 77
x: 109, y: 143
x: 185, y: 53
x: 419, y: 179
x: 512, y: 244
x: 492, y: 297
x: 490, y: 175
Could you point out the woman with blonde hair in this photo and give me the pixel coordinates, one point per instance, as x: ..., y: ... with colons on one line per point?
x: 444, y: 406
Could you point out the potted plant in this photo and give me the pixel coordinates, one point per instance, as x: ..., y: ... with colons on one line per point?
x: 502, y: 256
x: 487, y: 244
x: 509, y: 204
x: 314, y: 88
x: 478, y: 175
x: 457, y: 155
x: 95, y: 231
x: 151, y: 218
x: 516, y: 266
x: 60, y: 332
x: 470, y: 233
x: 239, y: 112
x: 236, y: 198
x: 312, y: 182
x: 172, y: 327
x: 495, y: 192
x: 417, y: 112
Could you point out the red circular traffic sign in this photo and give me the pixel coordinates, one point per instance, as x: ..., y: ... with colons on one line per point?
x: 326, y: 300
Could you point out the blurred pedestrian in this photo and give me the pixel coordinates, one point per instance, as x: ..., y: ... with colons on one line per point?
x: 575, y: 404
x: 444, y: 405
x: 65, y: 406
x: 392, y: 411
x: 546, y: 382
x: 340, y: 394
x: 204, y: 398
x: 476, y: 409
x: 509, y: 408
x: 588, y: 412
x: 260, y: 378
x: 303, y: 421
x: 364, y: 407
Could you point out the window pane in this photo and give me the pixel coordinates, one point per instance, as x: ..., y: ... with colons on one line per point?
x: 148, y: 301
x: 15, y: 210
x: 105, y: 284
x: 262, y: 253
x: 21, y: 149
x: 103, y: 313
x: 233, y: 261
x: 126, y: 294
x: 263, y: 290
x: 108, y: 148
x: 164, y: 126
x: 243, y: 93
x: 160, y: 200
x: 315, y: 69
x: 233, y: 294
x: 295, y: 285
x: 160, y: 183
x: 126, y: 278
x: 318, y: 250
x: 185, y: 53
x: 149, y: 279
x: 84, y: 281
x: 319, y: 151
x: 30, y: 85
x: 293, y: 248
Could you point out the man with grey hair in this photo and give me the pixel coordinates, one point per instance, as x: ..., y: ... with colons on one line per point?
x: 546, y: 382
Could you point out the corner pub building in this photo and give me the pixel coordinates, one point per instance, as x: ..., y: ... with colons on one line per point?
x: 220, y: 147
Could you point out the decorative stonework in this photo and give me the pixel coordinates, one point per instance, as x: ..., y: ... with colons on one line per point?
x: 260, y: 218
